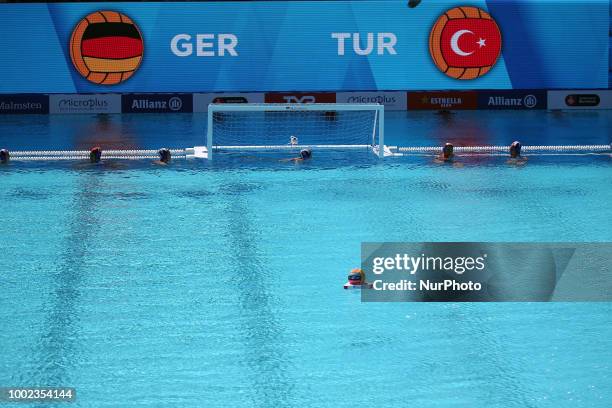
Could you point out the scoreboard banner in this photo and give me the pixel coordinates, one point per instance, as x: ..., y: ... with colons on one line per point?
x: 284, y: 46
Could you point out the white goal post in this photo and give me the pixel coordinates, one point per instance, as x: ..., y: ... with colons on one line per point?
x: 319, y: 126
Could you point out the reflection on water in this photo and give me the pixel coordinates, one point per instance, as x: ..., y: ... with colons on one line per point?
x: 28, y: 194
x: 262, y: 334
x: 57, y: 351
x: 417, y: 128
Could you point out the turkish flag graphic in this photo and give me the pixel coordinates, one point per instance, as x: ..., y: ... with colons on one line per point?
x: 470, y: 42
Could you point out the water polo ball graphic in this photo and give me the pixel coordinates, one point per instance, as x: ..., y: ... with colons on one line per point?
x: 106, y: 47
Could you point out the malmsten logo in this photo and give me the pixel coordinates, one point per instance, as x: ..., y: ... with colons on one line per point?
x: 106, y: 47
x: 465, y: 43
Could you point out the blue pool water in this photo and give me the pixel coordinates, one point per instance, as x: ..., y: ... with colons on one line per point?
x: 220, y: 285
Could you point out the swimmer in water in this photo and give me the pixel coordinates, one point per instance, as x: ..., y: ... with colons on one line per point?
x: 164, y: 157
x: 515, y: 154
x: 305, y: 154
x: 5, y: 156
x: 293, y: 140
x: 356, y: 277
x: 95, y: 155
x: 447, y: 154
x: 95, y: 160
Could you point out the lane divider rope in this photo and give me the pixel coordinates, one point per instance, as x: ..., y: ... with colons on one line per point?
x: 135, y: 154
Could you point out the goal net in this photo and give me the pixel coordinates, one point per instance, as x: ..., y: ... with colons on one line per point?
x: 269, y: 127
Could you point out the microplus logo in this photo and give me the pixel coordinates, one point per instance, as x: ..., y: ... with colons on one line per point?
x: 391, y: 100
x: 381, y: 99
x: 90, y: 103
x: 94, y: 103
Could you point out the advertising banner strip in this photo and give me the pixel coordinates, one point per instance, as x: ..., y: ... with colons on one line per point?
x: 301, y: 97
x: 580, y: 99
x: 157, y: 103
x: 512, y: 99
x: 423, y: 100
x: 85, y: 103
x: 393, y: 101
x: 24, y: 103
x: 450, y: 100
x: 202, y: 100
x: 485, y: 272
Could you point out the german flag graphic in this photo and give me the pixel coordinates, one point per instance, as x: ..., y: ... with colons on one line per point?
x: 106, y: 47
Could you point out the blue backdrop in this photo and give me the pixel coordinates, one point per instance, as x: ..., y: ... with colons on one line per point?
x: 287, y: 46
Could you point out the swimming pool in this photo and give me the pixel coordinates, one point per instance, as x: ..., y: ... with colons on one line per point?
x: 220, y: 284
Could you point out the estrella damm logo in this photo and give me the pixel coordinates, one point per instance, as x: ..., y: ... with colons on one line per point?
x: 106, y: 47
x: 465, y: 43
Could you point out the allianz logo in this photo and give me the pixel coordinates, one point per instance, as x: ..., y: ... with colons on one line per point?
x: 381, y: 99
x: 89, y: 103
x: 529, y: 101
x: 174, y: 104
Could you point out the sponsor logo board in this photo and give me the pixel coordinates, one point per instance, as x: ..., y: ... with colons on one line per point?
x: 83, y: 103
x: 202, y: 100
x: 391, y: 100
x: 442, y: 100
x: 526, y: 99
x: 24, y: 103
x: 157, y: 103
x: 580, y: 99
x: 302, y: 97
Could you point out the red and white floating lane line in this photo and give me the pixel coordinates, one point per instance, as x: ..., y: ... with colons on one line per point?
x: 487, y: 149
x: 42, y: 155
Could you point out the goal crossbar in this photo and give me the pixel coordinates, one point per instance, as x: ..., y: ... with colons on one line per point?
x: 291, y: 147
